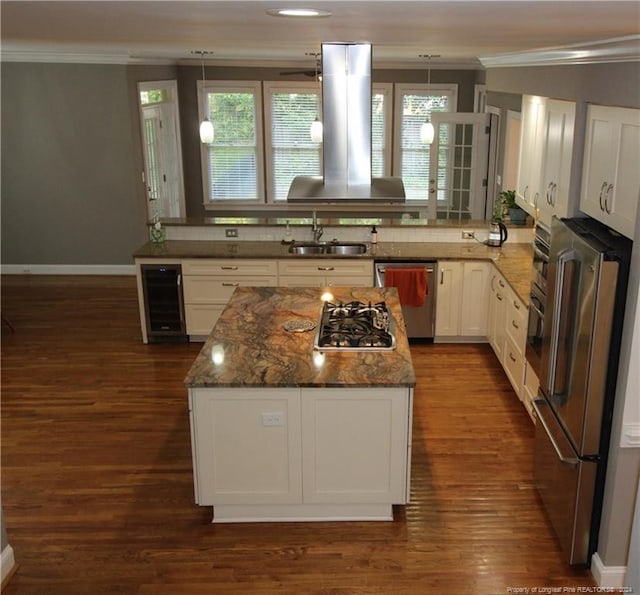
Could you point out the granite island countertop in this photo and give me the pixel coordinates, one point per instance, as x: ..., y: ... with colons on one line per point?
x: 513, y: 260
x: 249, y: 346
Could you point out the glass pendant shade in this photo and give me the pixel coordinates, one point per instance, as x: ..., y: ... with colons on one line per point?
x: 316, y: 131
x: 427, y: 133
x: 206, y: 132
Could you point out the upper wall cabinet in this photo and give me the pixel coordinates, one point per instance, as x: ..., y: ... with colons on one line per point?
x: 530, y: 161
x: 546, y: 151
x: 611, y: 174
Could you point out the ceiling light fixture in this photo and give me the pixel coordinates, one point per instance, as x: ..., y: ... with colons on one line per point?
x: 427, y: 131
x: 316, y: 125
x: 206, y: 127
x: 298, y: 12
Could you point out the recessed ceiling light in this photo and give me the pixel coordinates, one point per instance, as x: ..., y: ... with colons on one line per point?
x: 298, y: 12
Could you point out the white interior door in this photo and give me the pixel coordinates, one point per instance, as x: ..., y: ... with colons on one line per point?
x: 458, y: 166
x: 161, y: 148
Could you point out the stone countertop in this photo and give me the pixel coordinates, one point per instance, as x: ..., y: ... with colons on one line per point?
x: 249, y: 346
x: 513, y: 260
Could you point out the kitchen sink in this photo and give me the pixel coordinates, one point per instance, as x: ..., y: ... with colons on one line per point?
x: 334, y: 248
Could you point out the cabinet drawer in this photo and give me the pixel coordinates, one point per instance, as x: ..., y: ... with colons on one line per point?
x: 514, y: 366
x: 517, y: 318
x: 211, y: 290
x: 202, y: 318
x: 325, y: 267
x: 340, y: 281
x: 229, y: 267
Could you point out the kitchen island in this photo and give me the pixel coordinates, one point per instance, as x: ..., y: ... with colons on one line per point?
x: 284, y: 431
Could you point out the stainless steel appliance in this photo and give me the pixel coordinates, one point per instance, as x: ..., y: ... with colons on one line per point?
x: 346, y: 142
x: 584, y: 309
x: 355, y: 326
x: 419, y: 320
x: 498, y: 234
x: 538, y: 296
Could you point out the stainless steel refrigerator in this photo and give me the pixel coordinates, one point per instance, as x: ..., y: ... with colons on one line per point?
x: 585, y: 299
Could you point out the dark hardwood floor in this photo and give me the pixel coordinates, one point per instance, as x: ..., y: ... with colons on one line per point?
x: 97, y: 491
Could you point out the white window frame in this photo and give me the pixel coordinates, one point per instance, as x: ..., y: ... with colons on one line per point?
x: 386, y: 89
x: 255, y: 87
x: 270, y: 88
x: 402, y: 89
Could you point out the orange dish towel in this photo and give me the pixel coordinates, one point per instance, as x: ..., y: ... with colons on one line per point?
x: 411, y: 284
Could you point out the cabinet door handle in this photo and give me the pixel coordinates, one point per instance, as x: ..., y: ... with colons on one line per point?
x: 229, y: 268
x: 493, y: 278
x: 607, y: 206
x: 325, y: 268
x: 516, y: 305
x: 501, y: 283
x: 513, y: 323
x: 499, y: 296
x: 513, y: 359
x: 225, y: 284
x: 602, y: 189
x: 441, y: 277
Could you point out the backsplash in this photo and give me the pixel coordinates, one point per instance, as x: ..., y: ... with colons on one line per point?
x: 343, y: 233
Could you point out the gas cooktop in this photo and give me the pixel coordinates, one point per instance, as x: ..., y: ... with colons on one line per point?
x: 355, y: 326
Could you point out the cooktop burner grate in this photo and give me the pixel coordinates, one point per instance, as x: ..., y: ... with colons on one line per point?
x: 355, y: 326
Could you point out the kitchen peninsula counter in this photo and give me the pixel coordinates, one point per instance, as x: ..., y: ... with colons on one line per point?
x: 513, y: 260
x: 281, y: 432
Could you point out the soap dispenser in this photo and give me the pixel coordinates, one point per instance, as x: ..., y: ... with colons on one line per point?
x: 374, y: 235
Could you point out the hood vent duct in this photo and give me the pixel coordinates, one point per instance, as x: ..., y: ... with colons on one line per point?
x: 346, y: 116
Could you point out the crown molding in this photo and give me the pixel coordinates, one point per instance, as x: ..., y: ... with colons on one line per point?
x: 618, y: 49
x: 71, y: 55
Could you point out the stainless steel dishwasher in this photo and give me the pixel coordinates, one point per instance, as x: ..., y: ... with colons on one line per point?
x: 419, y: 321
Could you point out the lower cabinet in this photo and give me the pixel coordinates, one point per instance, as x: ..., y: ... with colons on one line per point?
x: 326, y: 452
x: 462, y: 300
x: 320, y: 272
x: 508, y: 317
x: 209, y: 283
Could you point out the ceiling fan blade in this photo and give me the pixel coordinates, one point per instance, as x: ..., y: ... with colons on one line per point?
x: 304, y: 72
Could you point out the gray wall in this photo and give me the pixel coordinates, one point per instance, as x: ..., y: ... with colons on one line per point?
x: 71, y: 163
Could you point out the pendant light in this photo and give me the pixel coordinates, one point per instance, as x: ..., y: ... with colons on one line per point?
x: 316, y: 125
x: 427, y: 131
x: 206, y: 127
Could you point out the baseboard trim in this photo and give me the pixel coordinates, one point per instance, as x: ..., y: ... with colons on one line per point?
x: 68, y: 269
x: 7, y: 563
x: 607, y: 576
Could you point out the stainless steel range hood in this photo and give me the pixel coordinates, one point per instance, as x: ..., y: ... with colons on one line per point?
x: 346, y: 114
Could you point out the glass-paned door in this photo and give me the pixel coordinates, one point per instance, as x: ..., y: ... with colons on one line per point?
x: 458, y: 166
x: 161, y: 149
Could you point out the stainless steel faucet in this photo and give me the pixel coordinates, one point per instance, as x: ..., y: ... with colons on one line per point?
x: 316, y: 228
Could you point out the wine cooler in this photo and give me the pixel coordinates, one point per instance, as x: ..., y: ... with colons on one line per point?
x: 164, y: 306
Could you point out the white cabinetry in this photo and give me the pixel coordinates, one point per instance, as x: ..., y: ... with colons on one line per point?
x: 462, y: 300
x: 320, y: 272
x: 530, y: 160
x: 557, y: 153
x: 508, y: 318
x: 611, y: 175
x: 354, y: 444
x: 546, y: 153
x: 301, y: 454
x: 209, y: 283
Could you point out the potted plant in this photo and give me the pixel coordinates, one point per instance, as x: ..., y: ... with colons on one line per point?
x: 508, y: 200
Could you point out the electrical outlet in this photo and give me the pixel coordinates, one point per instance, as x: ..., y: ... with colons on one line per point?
x: 468, y: 235
x: 273, y: 419
x: 231, y: 232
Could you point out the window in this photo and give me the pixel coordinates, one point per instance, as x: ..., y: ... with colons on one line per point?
x: 232, y: 163
x: 415, y: 104
x: 381, y: 129
x: 290, y: 109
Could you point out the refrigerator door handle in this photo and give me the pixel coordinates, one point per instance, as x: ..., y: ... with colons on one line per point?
x: 568, y: 461
x: 563, y: 308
